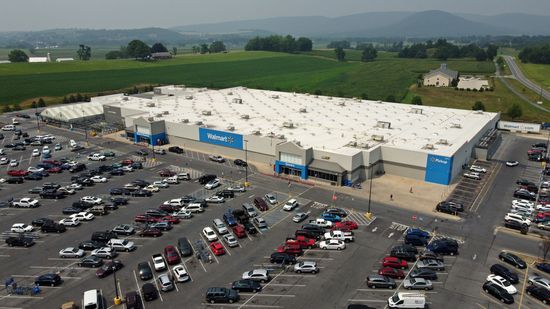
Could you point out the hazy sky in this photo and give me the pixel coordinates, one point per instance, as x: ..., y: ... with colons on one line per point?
x: 48, y: 14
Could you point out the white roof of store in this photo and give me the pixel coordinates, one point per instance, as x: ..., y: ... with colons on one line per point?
x: 73, y: 112
x: 339, y: 125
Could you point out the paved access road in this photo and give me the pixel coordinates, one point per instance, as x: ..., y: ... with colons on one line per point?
x: 518, y: 74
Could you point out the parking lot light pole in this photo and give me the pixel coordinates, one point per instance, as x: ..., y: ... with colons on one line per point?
x: 246, y: 184
x: 37, y: 119
x: 369, y: 213
x: 117, y: 299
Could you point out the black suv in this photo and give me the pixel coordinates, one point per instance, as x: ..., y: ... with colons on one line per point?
x: 185, y: 247
x: 449, y: 208
x: 204, y: 179
x: 41, y: 221
x: 221, y: 295
x: 226, y: 193
x: 77, y: 168
x: 378, y: 281
x: 505, y: 273
x: 246, y: 285
x: 402, y: 254
x: 19, y: 241
x: 103, y: 237
x: 53, y: 228
x: 51, y: 194
x: 498, y: 292
x: 175, y: 149
x: 282, y: 258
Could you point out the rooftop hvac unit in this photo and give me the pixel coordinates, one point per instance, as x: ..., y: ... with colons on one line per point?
x: 280, y: 136
x: 159, y: 115
x: 315, y: 96
x: 274, y: 96
x: 230, y: 93
x: 378, y: 101
x: 237, y: 100
x: 352, y: 144
x: 189, y: 97
x: 443, y: 142
x: 270, y: 134
x: 288, y: 124
x: 303, y: 110
x: 383, y: 124
x: 456, y: 125
x: 378, y: 138
x: 364, y: 145
x: 207, y: 113
x: 165, y: 112
x: 230, y: 128
x: 199, y: 123
x: 185, y: 120
x: 245, y: 116
x: 429, y: 146
x: 342, y: 103
x: 124, y: 98
x: 150, y: 104
x: 357, y: 99
x: 180, y: 86
x: 329, y: 98
x: 150, y: 119
x: 256, y: 132
x: 415, y: 110
x: 479, y: 112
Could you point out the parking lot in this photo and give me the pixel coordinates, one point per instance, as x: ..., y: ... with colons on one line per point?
x: 341, y: 277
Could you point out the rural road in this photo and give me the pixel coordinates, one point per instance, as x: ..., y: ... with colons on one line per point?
x: 516, y: 71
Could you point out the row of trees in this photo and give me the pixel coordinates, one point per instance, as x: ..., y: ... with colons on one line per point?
x: 215, y: 47
x: 139, y: 50
x: 537, y: 54
x: 277, y: 43
x: 444, y: 50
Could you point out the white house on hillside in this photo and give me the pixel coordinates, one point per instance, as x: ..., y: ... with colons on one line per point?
x: 441, y: 77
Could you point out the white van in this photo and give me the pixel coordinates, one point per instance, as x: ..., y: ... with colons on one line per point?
x: 407, y: 300
x: 121, y: 244
x: 220, y: 226
x: 14, y: 121
x: 72, y: 143
x: 194, y: 207
x: 91, y: 299
x: 8, y: 127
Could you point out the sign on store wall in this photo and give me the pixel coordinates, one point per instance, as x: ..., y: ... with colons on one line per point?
x: 221, y: 138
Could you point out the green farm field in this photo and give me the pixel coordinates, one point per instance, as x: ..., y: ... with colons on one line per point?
x: 538, y: 73
x: 315, y: 71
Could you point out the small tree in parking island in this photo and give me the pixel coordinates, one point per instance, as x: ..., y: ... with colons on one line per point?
x: 478, y: 106
x: 514, y: 111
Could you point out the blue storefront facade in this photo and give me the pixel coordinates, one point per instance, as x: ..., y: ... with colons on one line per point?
x: 291, y: 169
x: 439, y: 169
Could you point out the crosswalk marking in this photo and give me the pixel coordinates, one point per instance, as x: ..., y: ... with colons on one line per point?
x: 398, y: 227
x: 359, y: 217
x: 318, y: 205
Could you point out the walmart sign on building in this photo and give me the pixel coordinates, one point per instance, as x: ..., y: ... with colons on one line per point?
x: 221, y: 138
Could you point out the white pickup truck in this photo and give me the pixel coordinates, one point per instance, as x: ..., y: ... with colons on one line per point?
x: 158, y: 262
x: 25, y: 203
x: 96, y: 157
x: 340, y: 235
x: 321, y: 222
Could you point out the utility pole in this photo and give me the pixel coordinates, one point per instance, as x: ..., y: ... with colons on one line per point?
x: 37, y: 119
x: 117, y: 299
x: 246, y: 163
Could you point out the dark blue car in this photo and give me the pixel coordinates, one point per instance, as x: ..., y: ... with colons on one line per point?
x: 418, y: 232
x: 545, y: 267
x: 229, y: 219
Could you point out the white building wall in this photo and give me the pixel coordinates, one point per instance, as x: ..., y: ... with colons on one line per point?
x: 438, y: 80
x: 188, y: 131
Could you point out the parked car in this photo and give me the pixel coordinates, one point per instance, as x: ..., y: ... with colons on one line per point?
x: 91, y: 262
x: 48, y: 279
x: 539, y: 293
x: 424, y: 273
x: 380, y: 281
x: 246, y: 285
x: 512, y: 259
x: 505, y: 273
x: 261, y: 275
x: 109, y: 268
x: 498, y: 292
x: 417, y: 284
x: 391, y: 272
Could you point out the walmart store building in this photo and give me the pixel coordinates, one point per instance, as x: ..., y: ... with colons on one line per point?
x: 336, y: 140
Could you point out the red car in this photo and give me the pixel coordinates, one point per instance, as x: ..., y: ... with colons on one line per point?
x: 239, y: 231
x: 217, y: 248
x: 292, y: 249
x: 391, y: 272
x: 302, y: 241
x: 18, y: 173
x: 171, y: 219
x: 393, y: 262
x: 150, y: 232
x: 146, y: 219
x: 171, y: 255
x: 53, y: 162
x: 167, y: 173
x: 55, y: 169
x: 127, y: 162
x: 350, y: 225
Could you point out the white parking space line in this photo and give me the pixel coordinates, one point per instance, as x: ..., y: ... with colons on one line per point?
x: 240, y: 306
x: 283, y: 284
x: 139, y: 289
x: 208, y: 245
x: 368, y: 300
x: 267, y: 295
x: 195, y: 250
x: 155, y: 282
x: 63, y: 259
